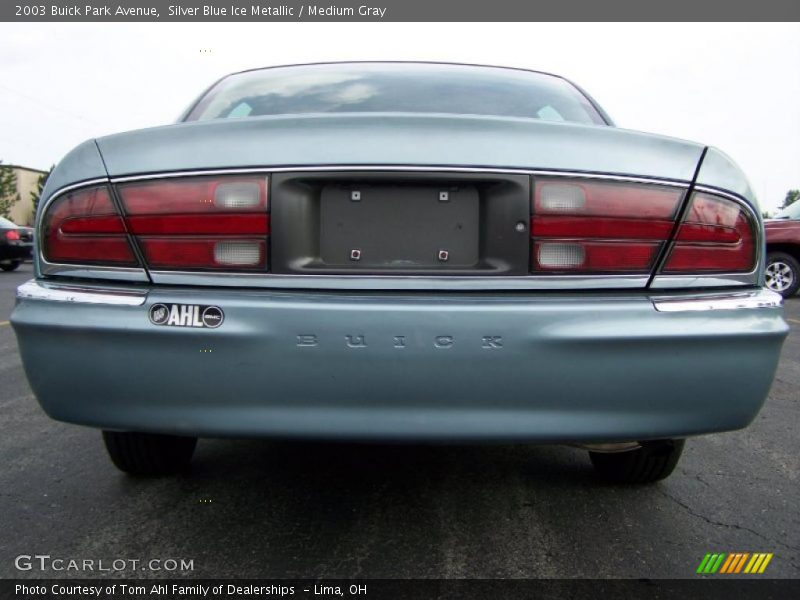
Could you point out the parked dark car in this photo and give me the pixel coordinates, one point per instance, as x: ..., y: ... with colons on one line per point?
x: 16, y: 244
x: 783, y: 251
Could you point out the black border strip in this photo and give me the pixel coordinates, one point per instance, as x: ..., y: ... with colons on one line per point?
x: 722, y: 587
x: 666, y: 248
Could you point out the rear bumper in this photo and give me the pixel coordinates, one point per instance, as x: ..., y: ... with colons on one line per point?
x: 579, y: 367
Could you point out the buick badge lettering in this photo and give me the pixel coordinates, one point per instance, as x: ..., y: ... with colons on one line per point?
x: 359, y: 341
x: 186, y: 315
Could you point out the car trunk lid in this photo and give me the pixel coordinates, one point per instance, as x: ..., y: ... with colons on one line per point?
x: 395, y: 140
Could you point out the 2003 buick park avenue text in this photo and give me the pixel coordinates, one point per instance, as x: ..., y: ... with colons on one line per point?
x: 399, y: 251
x: 86, y: 10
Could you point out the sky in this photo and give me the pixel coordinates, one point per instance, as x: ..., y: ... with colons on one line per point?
x: 733, y: 86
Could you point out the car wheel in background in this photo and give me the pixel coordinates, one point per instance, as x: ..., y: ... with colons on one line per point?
x: 782, y: 273
x: 651, y: 461
x: 149, y: 453
x: 10, y: 266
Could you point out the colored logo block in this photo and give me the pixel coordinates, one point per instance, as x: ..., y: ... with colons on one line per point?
x: 734, y: 562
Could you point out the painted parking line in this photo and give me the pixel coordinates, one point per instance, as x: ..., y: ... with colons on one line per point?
x: 792, y: 320
x: 3, y: 323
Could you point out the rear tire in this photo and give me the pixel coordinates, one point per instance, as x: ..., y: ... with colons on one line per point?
x: 10, y: 266
x: 782, y: 273
x: 653, y: 461
x: 149, y: 454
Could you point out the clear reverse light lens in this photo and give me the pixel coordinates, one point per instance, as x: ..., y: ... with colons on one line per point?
x: 562, y: 197
x: 237, y: 195
x: 564, y: 256
x: 237, y: 253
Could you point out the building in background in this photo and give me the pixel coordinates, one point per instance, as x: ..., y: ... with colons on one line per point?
x: 22, y: 212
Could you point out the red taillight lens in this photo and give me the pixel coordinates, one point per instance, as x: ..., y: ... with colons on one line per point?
x: 12, y: 235
x: 85, y: 227
x: 587, y: 226
x: 229, y: 194
x: 218, y: 223
x: 242, y: 224
x: 590, y: 198
x: 190, y: 253
x: 600, y: 228
x: 716, y: 235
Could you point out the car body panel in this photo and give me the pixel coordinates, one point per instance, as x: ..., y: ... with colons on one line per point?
x: 782, y: 231
x: 404, y: 366
x: 83, y: 163
x: 719, y: 171
x: 398, y: 139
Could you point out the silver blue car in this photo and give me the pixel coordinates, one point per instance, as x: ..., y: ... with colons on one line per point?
x: 399, y: 251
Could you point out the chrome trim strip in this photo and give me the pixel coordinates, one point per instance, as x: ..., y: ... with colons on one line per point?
x: 198, y: 173
x: 404, y: 168
x: 712, y: 190
x: 762, y: 298
x: 132, y: 274
x: 38, y: 290
x: 671, y: 282
x: 627, y: 178
x: 75, y: 186
x: 400, y: 282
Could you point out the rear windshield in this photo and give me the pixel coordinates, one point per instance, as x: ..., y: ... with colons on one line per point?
x: 406, y: 88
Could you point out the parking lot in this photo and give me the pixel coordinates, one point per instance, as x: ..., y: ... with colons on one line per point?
x: 280, y: 509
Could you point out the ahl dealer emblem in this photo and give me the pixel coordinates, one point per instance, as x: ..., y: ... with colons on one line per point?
x: 186, y: 315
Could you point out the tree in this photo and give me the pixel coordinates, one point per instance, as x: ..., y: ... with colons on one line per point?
x: 8, y: 190
x: 792, y: 196
x: 36, y: 194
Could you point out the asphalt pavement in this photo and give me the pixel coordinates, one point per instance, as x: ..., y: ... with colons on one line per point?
x: 323, y: 510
